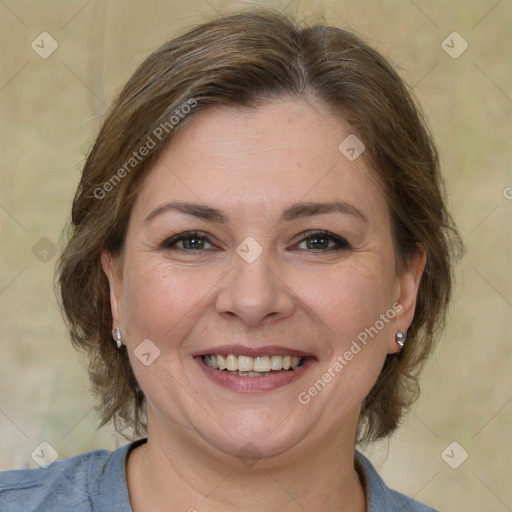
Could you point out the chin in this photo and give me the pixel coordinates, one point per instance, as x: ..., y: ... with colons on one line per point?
x: 251, y: 435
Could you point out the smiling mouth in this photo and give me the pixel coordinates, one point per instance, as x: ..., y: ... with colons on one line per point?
x: 246, y: 366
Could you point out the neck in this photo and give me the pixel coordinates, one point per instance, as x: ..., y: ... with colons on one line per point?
x: 176, y: 467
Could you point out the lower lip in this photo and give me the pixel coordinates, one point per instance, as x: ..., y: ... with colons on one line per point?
x: 253, y: 384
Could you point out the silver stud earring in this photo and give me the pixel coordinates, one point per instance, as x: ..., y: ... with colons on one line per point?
x: 116, y: 333
x: 400, y: 339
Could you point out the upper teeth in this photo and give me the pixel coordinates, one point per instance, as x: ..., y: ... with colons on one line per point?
x: 252, y: 364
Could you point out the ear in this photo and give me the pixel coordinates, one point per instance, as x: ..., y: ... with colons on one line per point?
x: 112, y: 268
x: 408, y: 284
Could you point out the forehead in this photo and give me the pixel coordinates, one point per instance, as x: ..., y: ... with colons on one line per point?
x: 253, y: 162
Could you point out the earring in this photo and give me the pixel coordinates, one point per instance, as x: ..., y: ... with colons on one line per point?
x: 400, y: 339
x: 116, y: 333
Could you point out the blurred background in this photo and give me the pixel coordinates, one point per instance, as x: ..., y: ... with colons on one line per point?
x: 64, y: 61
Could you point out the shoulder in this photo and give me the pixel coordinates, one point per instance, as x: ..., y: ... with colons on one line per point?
x: 380, y: 498
x: 88, y: 482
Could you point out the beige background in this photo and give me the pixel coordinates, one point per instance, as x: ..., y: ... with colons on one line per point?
x: 51, y: 109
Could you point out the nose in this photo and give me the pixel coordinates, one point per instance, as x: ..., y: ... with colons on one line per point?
x: 254, y: 292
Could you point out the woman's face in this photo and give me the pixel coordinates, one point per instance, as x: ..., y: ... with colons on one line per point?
x: 252, y: 277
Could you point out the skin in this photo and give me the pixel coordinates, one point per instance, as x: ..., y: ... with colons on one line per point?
x: 252, y: 165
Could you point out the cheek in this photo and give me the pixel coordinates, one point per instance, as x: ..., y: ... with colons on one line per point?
x: 355, y: 306
x: 161, y: 301
x: 350, y: 298
x: 163, y: 304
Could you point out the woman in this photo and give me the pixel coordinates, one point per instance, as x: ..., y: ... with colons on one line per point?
x: 259, y: 265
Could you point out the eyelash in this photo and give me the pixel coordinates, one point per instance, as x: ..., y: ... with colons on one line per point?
x: 341, y: 243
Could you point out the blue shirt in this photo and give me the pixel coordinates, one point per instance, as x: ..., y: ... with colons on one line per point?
x: 96, y: 482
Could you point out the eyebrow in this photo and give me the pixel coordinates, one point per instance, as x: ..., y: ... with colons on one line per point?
x: 294, y: 211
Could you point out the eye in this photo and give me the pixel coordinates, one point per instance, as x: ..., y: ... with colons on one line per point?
x: 323, y: 241
x: 190, y: 240
x: 316, y: 241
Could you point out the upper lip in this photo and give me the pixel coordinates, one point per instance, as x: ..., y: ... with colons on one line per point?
x: 252, y: 351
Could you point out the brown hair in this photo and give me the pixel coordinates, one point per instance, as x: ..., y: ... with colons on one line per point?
x: 243, y: 60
